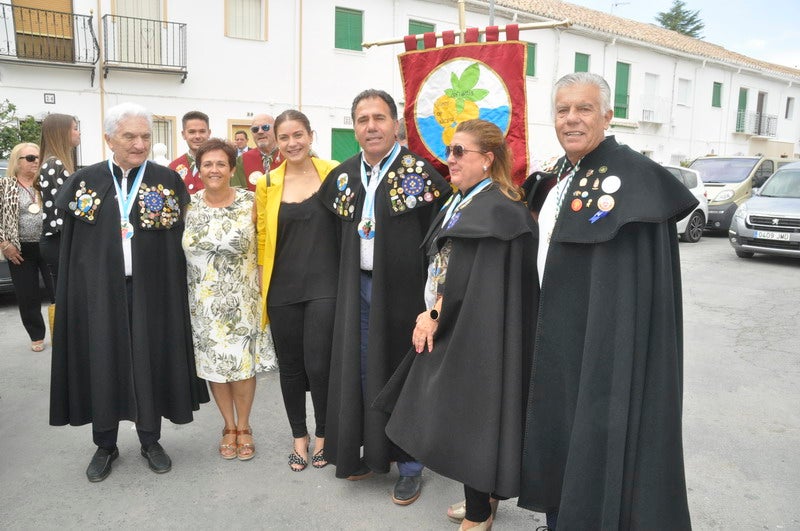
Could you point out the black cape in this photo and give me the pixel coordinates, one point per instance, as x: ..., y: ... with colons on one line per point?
x: 399, y: 273
x: 603, y: 439
x: 460, y: 410
x: 104, y: 371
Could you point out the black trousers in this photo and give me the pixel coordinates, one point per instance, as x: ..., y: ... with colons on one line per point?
x: 108, y: 438
x: 303, y: 336
x: 48, y: 246
x: 478, y: 508
x: 25, y: 277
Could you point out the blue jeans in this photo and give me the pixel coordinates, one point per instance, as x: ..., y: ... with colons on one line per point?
x: 408, y: 468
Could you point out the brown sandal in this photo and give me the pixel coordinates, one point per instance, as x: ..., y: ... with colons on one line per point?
x: 245, y: 456
x: 227, y: 451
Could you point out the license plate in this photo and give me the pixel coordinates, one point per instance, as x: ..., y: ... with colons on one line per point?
x: 767, y: 235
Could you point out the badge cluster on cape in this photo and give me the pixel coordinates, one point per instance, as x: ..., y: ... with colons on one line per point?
x: 158, y: 207
x: 595, y: 193
x: 410, y: 185
x: 344, y: 202
x: 86, y: 202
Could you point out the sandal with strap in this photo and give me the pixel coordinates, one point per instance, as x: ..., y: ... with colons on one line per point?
x: 228, y: 451
x: 245, y: 456
x: 37, y: 346
x: 295, y: 459
x: 318, y: 459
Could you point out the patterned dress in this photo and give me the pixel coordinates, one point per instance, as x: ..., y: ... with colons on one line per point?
x: 224, y: 300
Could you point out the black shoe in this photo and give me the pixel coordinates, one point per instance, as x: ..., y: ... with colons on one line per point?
x: 157, y: 458
x: 100, y: 466
x: 407, y: 489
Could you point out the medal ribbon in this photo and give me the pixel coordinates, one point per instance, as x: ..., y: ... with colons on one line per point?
x: 125, y: 198
x: 34, y: 199
x: 371, y: 185
x: 563, y: 191
x: 456, y: 202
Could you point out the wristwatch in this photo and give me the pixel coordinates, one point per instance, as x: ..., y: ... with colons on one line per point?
x: 434, y: 314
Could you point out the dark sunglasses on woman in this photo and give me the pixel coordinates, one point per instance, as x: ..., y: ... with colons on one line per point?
x: 30, y: 158
x: 458, y: 151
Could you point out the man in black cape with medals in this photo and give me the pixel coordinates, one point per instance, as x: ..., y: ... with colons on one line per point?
x: 385, y: 199
x: 603, y: 445
x: 122, y: 348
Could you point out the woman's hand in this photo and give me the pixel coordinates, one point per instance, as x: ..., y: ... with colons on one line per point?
x: 423, y: 332
x: 11, y: 253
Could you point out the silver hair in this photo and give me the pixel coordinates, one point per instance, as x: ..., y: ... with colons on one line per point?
x: 585, y: 78
x: 117, y: 113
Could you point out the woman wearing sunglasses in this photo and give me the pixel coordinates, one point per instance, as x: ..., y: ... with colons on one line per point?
x: 299, y: 256
x: 20, y: 230
x: 460, y: 408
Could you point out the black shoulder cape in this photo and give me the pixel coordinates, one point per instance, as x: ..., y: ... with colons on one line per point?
x: 406, y: 202
x: 460, y: 408
x: 603, y: 441
x: 104, y: 371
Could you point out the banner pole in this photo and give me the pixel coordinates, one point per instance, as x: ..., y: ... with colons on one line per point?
x: 536, y: 25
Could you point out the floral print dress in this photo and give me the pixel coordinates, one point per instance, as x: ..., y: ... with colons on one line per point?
x: 220, y: 247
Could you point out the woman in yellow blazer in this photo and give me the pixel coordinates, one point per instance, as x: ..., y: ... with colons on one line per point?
x: 298, y: 254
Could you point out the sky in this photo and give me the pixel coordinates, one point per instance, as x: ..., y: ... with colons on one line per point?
x: 768, y: 30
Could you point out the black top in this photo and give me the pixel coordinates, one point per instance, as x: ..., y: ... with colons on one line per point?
x: 306, y: 254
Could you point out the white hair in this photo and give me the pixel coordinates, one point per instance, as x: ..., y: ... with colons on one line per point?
x: 117, y: 113
x: 585, y: 78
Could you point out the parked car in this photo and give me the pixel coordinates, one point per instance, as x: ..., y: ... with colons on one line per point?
x: 729, y: 182
x: 3, y: 167
x: 769, y: 222
x: 691, y: 227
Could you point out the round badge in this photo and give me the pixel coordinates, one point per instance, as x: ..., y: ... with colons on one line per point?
x: 605, y: 203
x: 154, y: 202
x: 341, y: 182
x: 576, y: 205
x: 603, y: 169
x: 428, y: 197
x: 34, y: 208
x: 411, y: 201
x: 407, y: 161
x: 126, y: 230
x: 254, y: 177
x: 584, y: 194
x: 412, y: 184
x: 85, y: 202
x: 611, y: 184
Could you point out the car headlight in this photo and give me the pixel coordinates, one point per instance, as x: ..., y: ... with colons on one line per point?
x: 724, y: 195
x: 741, y: 212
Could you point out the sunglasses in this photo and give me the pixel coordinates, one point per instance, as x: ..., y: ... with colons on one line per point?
x: 265, y: 128
x: 458, y: 151
x: 30, y: 158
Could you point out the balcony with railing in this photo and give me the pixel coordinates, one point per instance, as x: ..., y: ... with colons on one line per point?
x: 654, y: 109
x: 47, y: 38
x: 756, y: 124
x: 144, y: 45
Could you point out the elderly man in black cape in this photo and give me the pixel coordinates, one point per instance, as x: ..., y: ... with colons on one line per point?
x: 122, y: 348
x: 603, y: 446
x: 385, y: 199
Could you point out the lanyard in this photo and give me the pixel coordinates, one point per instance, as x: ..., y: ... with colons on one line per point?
x: 456, y: 202
x: 371, y: 186
x: 125, y: 198
x: 563, y: 191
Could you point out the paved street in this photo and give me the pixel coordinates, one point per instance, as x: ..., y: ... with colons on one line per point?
x: 741, y: 434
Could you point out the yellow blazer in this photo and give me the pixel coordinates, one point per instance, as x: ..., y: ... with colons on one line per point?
x: 268, y: 202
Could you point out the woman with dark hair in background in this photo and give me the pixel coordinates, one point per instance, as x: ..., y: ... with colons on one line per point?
x: 60, y: 137
x: 298, y: 252
x: 20, y: 229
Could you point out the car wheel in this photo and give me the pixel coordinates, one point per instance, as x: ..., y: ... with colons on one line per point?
x: 694, y: 228
x: 744, y: 254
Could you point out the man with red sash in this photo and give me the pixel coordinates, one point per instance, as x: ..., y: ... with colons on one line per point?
x: 195, y: 132
x: 256, y: 162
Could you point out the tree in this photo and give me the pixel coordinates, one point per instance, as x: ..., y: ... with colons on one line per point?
x: 682, y: 20
x: 14, y: 130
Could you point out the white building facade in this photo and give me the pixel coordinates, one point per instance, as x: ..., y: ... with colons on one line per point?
x: 675, y: 98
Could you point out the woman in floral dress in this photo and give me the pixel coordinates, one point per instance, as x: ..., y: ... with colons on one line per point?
x: 220, y: 246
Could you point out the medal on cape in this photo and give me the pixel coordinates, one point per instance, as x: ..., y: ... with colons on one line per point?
x: 126, y: 199
x: 365, y: 229
x: 34, y: 208
x: 254, y: 176
x: 126, y: 229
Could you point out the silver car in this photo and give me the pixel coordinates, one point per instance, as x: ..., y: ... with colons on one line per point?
x: 769, y: 222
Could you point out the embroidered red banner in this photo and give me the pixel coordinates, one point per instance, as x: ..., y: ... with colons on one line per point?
x: 448, y: 85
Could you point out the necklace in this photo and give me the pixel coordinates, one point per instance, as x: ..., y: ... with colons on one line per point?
x: 34, y: 207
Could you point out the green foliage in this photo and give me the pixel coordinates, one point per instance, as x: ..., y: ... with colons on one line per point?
x: 682, y: 20
x: 463, y: 88
x: 14, y: 130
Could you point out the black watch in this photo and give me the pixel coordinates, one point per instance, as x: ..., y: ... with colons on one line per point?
x: 434, y: 314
